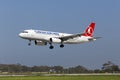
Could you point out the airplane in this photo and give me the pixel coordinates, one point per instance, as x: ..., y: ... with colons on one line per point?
x: 41, y: 37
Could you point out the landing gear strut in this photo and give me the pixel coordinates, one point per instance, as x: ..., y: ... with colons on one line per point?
x: 62, y: 45
x: 51, y: 46
x: 29, y: 43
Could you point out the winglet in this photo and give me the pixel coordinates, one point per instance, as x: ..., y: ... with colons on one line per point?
x: 89, y: 30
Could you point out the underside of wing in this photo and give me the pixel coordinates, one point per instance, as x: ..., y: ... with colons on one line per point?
x: 64, y: 38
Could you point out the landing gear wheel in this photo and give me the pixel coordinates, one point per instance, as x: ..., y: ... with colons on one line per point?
x: 51, y: 47
x: 29, y: 44
x: 61, y: 45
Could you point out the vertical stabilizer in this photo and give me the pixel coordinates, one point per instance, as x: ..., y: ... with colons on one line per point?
x: 89, y: 30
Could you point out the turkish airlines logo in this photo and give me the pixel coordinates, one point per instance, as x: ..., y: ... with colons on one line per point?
x: 89, y: 31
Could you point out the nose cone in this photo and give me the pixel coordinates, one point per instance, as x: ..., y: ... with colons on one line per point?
x: 20, y: 35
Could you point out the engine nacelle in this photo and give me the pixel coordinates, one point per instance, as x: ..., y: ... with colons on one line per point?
x: 40, y: 43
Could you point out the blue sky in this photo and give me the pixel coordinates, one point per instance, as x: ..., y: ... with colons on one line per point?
x: 70, y: 16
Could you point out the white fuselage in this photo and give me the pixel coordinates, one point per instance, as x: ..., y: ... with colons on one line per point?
x: 46, y: 35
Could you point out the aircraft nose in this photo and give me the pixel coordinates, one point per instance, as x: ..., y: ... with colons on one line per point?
x: 20, y: 35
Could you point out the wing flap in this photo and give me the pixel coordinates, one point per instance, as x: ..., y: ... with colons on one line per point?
x: 64, y: 38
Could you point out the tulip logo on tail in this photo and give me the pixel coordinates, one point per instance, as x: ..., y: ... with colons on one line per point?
x: 89, y: 31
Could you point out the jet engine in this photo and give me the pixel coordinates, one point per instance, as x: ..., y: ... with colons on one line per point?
x: 40, y: 43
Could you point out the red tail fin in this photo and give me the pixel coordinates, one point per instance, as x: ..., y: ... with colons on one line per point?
x: 89, y: 30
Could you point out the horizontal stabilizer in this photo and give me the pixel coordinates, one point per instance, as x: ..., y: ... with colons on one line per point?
x: 94, y: 38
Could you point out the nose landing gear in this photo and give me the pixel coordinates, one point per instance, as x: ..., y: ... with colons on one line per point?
x: 29, y: 43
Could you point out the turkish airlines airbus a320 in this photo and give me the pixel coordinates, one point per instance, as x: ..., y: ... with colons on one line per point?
x: 41, y: 37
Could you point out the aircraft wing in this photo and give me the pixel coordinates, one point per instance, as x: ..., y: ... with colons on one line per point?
x: 64, y: 38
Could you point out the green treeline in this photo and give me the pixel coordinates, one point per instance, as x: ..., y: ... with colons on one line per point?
x: 108, y: 67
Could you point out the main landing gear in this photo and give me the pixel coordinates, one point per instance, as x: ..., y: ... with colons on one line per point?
x: 61, y: 46
x: 51, y: 46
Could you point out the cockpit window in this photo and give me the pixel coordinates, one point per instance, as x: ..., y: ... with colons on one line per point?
x: 25, y: 32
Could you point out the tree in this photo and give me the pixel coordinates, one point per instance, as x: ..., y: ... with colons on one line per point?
x: 110, y: 67
x: 78, y: 69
